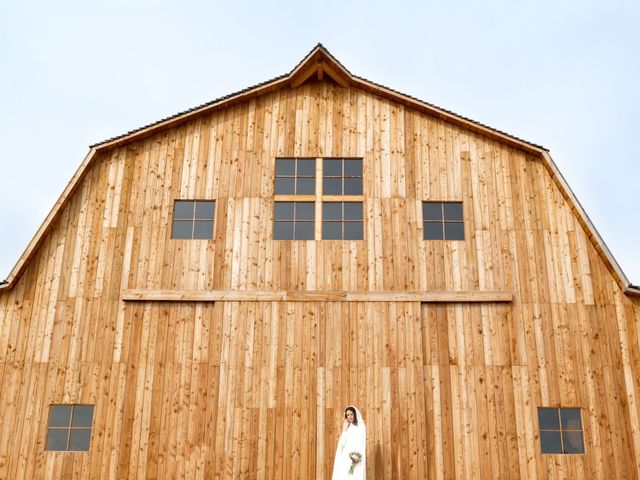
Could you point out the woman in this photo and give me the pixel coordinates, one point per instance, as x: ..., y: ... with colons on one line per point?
x: 353, y: 440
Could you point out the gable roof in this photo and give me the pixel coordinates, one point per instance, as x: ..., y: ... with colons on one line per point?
x: 318, y: 63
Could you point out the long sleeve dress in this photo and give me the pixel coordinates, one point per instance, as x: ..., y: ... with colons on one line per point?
x: 354, y: 439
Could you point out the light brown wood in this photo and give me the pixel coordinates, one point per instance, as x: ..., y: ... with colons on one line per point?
x: 309, y: 296
x: 233, y: 357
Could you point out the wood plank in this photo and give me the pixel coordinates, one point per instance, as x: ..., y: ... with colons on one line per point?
x: 134, y: 295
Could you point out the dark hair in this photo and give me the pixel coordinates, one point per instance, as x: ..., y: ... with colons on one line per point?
x: 355, y: 415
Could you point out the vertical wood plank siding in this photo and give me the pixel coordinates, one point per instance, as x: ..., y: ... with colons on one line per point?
x: 255, y: 389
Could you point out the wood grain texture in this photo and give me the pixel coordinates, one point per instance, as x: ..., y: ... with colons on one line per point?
x: 244, y: 372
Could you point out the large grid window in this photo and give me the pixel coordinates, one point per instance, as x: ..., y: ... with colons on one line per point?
x: 442, y: 221
x: 342, y: 221
x: 318, y: 199
x: 293, y: 221
x: 295, y: 176
x: 69, y: 428
x: 342, y: 176
x: 560, y: 430
x: 193, y: 219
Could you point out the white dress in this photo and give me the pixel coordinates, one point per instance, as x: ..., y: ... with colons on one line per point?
x: 354, y: 439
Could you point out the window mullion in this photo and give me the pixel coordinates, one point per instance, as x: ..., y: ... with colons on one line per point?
x: 317, y: 227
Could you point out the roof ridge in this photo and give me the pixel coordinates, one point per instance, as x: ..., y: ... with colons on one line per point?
x: 319, y: 47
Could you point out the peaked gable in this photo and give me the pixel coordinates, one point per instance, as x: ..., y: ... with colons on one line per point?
x: 320, y: 64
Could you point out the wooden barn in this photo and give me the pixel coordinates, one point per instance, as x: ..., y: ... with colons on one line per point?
x: 211, y: 290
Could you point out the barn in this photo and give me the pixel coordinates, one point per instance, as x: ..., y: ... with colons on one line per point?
x: 211, y: 290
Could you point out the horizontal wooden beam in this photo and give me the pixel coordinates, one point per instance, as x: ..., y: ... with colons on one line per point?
x: 313, y: 296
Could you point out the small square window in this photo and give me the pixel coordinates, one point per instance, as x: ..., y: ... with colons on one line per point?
x: 560, y: 430
x: 342, y: 221
x: 442, y: 221
x: 342, y: 176
x: 293, y: 221
x: 69, y: 428
x: 193, y: 219
x: 295, y: 176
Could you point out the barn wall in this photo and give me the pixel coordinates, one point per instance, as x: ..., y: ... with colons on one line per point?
x: 255, y: 389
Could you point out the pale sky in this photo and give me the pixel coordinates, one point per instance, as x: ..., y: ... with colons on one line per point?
x: 565, y: 75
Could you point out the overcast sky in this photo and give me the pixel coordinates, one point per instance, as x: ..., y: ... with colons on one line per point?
x: 565, y: 75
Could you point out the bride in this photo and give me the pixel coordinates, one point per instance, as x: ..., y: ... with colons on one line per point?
x: 352, y: 441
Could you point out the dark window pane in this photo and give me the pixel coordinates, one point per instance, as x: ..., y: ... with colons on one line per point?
x: 353, y: 168
x: 182, y: 229
x: 304, y: 231
x: 203, y: 229
x: 353, y: 210
x: 183, y: 209
x: 570, y: 418
x: 305, y: 210
x: 454, y: 231
x: 57, y: 439
x: 283, y: 211
x: 306, y: 168
x: 79, y: 439
x: 573, y: 442
x: 82, y: 416
x: 431, y: 211
x: 205, y: 210
x: 332, y: 168
x: 353, y: 186
x: 285, y: 167
x: 285, y: 186
x: 548, y: 419
x: 432, y: 231
x: 59, y: 415
x: 305, y: 186
x: 332, y: 211
x: 331, y: 230
x: 332, y: 186
x: 353, y: 231
x: 452, y: 211
x: 283, y: 231
x: 550, y: 442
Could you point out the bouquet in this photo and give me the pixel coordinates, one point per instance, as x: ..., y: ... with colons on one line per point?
x: 356, y: 457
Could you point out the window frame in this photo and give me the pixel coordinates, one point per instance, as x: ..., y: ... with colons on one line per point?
x: 70, y: 427
x: 319, y: 198
x: 193, y: 219
x: 561, y: 430
x: 442, y: 220
x: 293, y: 220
